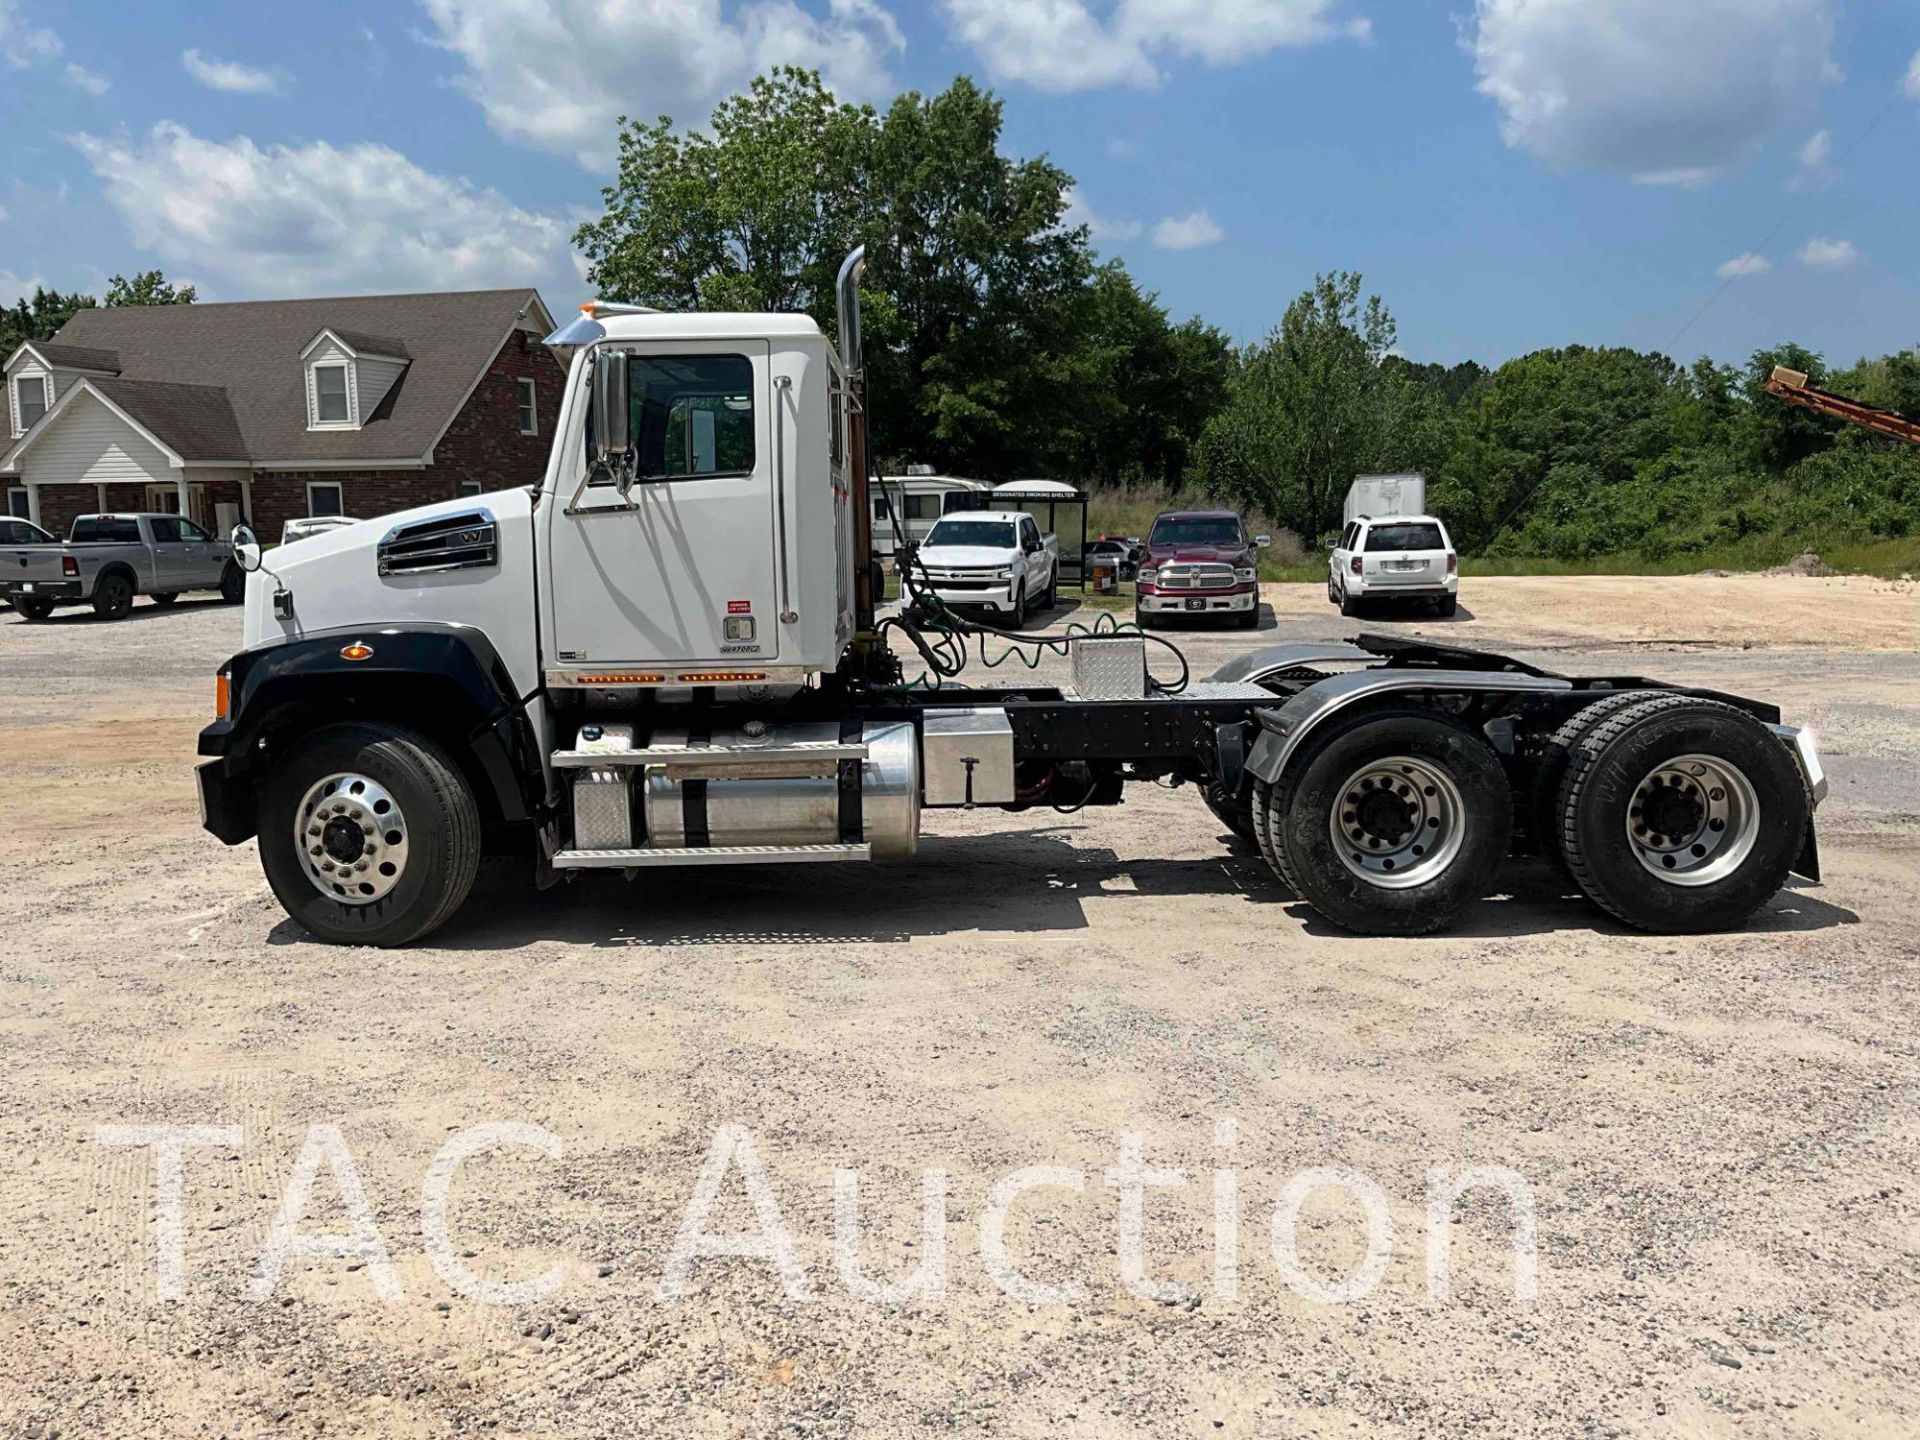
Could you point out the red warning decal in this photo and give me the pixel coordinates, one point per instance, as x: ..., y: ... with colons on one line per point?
x: 739, y: 607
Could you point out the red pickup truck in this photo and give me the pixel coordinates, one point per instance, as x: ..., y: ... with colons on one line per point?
x: 1199, y: 563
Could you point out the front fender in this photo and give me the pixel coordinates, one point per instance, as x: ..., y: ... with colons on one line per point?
x: 446, y: 680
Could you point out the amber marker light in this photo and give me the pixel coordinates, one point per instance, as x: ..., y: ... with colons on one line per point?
x: 356, y: 651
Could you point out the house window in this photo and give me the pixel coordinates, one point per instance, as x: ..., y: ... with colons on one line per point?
x: 469, y: 487
x: 32, y: 393
x: 529, y: 408
x: 18, y: 505
x: 324, y: 498
x: 330, y: 395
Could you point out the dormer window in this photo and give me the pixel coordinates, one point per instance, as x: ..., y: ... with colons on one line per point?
x: 30, y: 399
x: 330, y: 395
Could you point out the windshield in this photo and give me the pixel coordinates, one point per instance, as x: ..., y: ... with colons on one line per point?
x: 1220, y: 531
x: 996, y: 533
x: 1425, y: 536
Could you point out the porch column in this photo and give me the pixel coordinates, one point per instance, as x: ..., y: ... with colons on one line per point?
x: 246, y: 498
x: 185, y: 506
x: 100, y: 499
x: 33, y: 502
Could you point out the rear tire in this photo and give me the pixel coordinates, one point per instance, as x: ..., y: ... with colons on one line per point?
x: 1449, y: 606
x: 1471, y: 825
x: 233, y: 584
x: 1733, y: 815
x: 113, y: 597
x: 1544, y: 799
x: 164, y: 598
x: 34, y: 611
x: 442, y: 833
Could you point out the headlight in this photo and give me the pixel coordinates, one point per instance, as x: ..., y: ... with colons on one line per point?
x: 1244, y: 575
x: 1148, y: 577
x: 1003, y: 574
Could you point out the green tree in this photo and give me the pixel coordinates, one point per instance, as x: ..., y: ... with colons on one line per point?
x: 1311, y: 408
x: 39, y: 318
x: 754, y: 214
x: 149, y: 287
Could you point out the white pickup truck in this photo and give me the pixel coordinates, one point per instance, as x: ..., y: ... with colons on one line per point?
x: 108, y: 559
x: 993, y: 560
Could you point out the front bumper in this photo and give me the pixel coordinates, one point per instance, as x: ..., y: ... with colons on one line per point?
x: 67, y: 590
x: 1200, y: 602
x: 226, y: 803
x: 997, y: 596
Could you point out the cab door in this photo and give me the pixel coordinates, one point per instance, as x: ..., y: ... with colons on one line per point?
x: 682, y: 571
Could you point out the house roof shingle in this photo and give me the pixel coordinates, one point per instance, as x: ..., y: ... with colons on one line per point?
x: 364, y: 344
x: 196, y: 422
x: 251, y: 350
x: 76, y: 357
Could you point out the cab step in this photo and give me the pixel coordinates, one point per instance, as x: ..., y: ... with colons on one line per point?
x: 708, y: 855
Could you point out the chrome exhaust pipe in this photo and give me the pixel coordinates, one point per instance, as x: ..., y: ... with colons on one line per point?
x: 847, y: 288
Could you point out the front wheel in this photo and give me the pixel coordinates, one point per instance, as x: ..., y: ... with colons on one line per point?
x: 113, y: 597
x: 369, y: 835
x: 1020, y: 607
x: 1249, y: 619
x: 1392, y: 824
x: 33, y: 610
x: 233, y: 584
x: 1681, y: 815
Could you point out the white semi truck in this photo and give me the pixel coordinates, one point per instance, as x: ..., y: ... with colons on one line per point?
x: 666, y: 653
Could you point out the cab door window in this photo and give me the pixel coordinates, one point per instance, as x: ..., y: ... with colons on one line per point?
x: 692, y: 415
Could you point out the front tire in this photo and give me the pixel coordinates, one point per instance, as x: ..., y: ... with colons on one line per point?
x: 1020, y: 607
x: 1422, y: 813
x: 233, y: 584
x: 347, y: 803
x: 113, y: 597
x: 1682, y: 815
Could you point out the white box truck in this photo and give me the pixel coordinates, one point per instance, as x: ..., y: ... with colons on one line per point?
x: 1378, y: 496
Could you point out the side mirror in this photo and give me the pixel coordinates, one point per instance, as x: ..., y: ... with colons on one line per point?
x: 246, y: 548
x: 1263, y: 541
x: 609, y: 441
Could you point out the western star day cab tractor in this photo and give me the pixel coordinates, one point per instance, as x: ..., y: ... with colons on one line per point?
x: 667, y: 653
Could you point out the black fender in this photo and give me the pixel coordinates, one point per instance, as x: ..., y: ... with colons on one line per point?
x: 445, y: 680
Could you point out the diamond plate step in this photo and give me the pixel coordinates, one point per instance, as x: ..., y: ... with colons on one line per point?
x: 711, y: 855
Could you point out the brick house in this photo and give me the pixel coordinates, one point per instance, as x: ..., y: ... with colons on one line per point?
x: 267, y: 410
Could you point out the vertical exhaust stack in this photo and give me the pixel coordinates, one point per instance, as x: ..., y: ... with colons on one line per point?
x: 847, y: 290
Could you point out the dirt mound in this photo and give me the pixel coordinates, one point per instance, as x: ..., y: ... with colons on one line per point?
x: 1805, y: 564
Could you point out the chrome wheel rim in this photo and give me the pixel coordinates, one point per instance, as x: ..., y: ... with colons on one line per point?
x: 1398, y: 822
x: 1693, y: 820
x: 351, y: 838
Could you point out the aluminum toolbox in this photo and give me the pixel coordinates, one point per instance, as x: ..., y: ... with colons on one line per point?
x: 966, y: 756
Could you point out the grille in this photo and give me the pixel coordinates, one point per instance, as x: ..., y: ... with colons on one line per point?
x: 1196, y: 577
x: 466, y: 541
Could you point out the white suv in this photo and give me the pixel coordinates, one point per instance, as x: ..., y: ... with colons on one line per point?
x: 1397, y: 557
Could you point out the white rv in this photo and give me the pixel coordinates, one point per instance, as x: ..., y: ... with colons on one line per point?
x: 919, y: 498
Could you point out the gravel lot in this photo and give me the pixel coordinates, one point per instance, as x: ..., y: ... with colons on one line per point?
x: 1719, y: 1134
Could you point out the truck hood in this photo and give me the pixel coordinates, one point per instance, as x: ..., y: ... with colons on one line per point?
x: 1195, y: 555
x: 968, y: 557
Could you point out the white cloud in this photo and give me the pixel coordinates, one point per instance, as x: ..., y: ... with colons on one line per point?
x: 1912, y: 86
x: 23, y: 43
x: 283, y: 220
x: 82, y: 78
x: 1821, y: 253
x: 1667, y: 93
x: 1818, y: 150
x: 229, y: 75
x: 18, y: 287
x: 1063, y: 45
x: 1099, y: 227
x: 558, y: 74
x: 1187, y: 232
x: 1742, y: 266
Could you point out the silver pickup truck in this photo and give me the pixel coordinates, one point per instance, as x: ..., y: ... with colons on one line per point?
x: 108, y: 559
